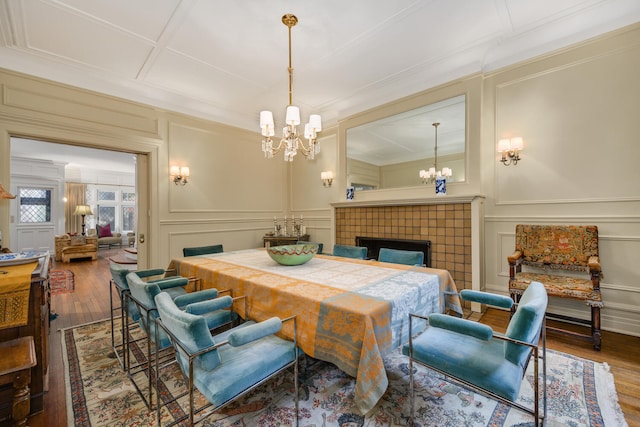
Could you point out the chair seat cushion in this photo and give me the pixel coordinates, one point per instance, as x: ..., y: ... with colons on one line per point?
x: 242, y: 367
x: 558, y: 286
x: 457, y: 355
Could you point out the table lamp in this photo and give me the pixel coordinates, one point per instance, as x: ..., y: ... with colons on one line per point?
x: 83, y: 210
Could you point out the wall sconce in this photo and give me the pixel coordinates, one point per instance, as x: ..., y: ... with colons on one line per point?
x: 510, y: 149
x: 179, y: 175
x: 327, y: 178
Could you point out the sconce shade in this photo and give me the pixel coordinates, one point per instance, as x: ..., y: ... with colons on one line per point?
x: 326, y: 175
x: 504, y: 145
x: 175, y: 170
x: 83, y: 210
x: 516, y: 143
x: 4, y: 194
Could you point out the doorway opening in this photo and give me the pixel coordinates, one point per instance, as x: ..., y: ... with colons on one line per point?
x: 71, y: 176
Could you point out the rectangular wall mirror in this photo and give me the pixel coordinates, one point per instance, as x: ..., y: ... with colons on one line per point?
x: 390, y: 152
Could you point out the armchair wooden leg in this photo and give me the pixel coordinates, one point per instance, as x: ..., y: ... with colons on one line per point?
x: 595, y: 328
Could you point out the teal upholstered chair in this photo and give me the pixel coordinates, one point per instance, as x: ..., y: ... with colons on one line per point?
x: 472, y: 354
x: 118, y: 285
x: 224, y: 366
x: 320, y: 245
x: 143, y: 294
x: 398, y: 256
x: 358, y: 252
x: 202, y: 250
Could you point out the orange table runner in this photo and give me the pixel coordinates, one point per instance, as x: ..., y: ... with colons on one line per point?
x: 348, y: 312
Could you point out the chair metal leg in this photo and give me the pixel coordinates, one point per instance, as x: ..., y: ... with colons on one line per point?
x: 118, y: 349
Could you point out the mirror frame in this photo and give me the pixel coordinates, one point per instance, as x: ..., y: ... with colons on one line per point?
x: 399, y: 107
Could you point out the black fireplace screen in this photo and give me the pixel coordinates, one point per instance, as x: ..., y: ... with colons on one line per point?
x: 373, y: 245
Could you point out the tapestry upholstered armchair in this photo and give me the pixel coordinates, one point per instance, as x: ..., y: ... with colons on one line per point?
x: 565, y: 259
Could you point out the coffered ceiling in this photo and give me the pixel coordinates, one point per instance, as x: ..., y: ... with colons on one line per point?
x: 227, y: 60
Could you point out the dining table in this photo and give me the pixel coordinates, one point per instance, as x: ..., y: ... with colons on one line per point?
x: 349, y: 312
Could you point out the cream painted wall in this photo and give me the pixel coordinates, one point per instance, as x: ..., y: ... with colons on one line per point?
x: 578, y: 113
x: 308, y: 197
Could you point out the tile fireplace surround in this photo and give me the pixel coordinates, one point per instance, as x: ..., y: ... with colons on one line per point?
x: 452, y: 225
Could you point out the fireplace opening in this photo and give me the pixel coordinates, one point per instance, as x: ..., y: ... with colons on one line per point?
x: 373, y: 245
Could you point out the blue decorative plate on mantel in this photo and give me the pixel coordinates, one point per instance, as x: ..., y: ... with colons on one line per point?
x: 16, y: 258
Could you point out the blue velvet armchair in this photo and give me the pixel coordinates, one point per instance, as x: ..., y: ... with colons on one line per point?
x: 357, y: 252
x: 118, y: 283
x: 142, y: 295
x: 473, y: 355
x: 398, y: 256
x: 225, y: 366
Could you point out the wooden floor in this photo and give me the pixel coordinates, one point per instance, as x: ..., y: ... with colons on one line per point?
x: 90, y: 302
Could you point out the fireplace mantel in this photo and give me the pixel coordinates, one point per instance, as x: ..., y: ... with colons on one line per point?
x: 436, y: 200
x: 454, y: 224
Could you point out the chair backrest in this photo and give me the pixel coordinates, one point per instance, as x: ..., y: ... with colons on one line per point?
x: 398, y: 256
x: 202, y: 250
x: 302, y: 242
x: 119, y: 275
x: 144, y: 292
x: 191, y: 330
x: 561, y: 246
x: 526, y: 323
x: 358, y: 252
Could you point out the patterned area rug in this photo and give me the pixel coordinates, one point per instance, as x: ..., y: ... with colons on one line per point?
x: 580, y: 393
x: 61, y: 281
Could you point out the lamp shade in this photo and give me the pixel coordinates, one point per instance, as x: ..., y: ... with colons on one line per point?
x: 83, y: 210
x: 516, y: 143
x: 266, y: 119
x: 504, y: 145
x: 293, y: 115
x: 315, y: 122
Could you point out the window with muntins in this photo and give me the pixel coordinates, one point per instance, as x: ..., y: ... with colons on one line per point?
x: 35, y: 205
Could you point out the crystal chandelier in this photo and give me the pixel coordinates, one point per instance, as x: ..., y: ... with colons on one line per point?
x: 429, y: 176
x: 290, y: 141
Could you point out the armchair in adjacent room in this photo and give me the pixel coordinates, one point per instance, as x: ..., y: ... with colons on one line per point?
x: 224, y: 366
x: 473, y: 355
x: 106, y: 236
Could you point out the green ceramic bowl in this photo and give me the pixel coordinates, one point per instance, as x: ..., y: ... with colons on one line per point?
x: 293, y: 254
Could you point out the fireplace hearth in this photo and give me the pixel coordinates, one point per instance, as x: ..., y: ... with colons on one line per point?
x: 373, y: 245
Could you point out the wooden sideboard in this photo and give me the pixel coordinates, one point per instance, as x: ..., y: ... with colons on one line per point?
x: 283, y: 240
x: 38, y: 328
